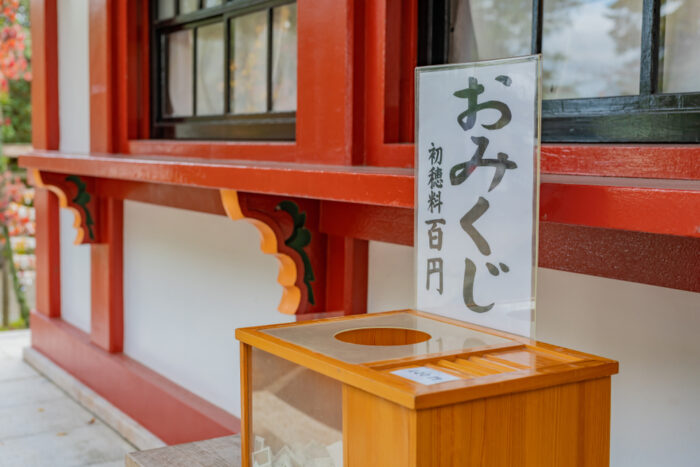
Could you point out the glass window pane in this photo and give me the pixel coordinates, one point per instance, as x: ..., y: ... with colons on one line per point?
x: 488, y: 29
x: 188, y: 6
x: 680, y: 38
x: 210, y: 69
x: 284, y: 58
x: 210, y: 3
x: 166, y: 9
x: 178, y: 96
x: 249, y: 63
x: 591, y: 48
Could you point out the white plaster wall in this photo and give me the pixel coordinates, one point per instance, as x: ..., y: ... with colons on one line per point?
x: 190, y: 279
x: 74, y: 115
x: 74, y: 75
x: 75, y: 276
x: 391, y: 285
x: 652, y: 331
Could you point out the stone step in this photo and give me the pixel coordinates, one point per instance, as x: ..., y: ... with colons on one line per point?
x: 217, y: 452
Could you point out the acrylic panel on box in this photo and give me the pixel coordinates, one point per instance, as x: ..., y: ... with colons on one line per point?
x: 325, y: 337
x: 477, y: 155
x: 296, y: 415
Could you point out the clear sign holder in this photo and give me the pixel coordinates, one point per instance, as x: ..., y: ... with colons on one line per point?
x: 477, y: 140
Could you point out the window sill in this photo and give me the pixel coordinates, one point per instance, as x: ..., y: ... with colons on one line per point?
x: 366, y: 185
x: 659, y: 206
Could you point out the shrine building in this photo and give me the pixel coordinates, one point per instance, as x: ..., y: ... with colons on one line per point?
x: 206, y: 165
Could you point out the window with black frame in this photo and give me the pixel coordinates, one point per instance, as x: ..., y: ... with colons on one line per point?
x: 613, y: 70
x: 224, y: 70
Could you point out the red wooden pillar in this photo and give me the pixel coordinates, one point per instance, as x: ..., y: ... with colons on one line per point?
x: 106, y: 274
x: 45, y: 135
x: 48, y: 254
x: 346, y: 275
x: 44, y: 29
x: 329, y: 129
x: 107, y: 271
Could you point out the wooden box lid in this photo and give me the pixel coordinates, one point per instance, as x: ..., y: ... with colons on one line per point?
x: 442, y: 361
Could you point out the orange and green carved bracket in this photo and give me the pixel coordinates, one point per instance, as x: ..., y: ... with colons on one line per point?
x: 76, y: 194
x: 299, y: 239
x: 287, y: 228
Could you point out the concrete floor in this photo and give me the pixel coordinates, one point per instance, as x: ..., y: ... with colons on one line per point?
x: 41, y: 426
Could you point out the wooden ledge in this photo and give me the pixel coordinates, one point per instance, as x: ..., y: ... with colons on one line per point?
x: 365, y: 185
x: 668, y: 207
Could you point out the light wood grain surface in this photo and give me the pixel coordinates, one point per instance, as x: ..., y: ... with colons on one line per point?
x: 520, y: 403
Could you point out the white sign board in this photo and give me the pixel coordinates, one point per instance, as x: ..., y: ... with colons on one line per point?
x: 477, y: 170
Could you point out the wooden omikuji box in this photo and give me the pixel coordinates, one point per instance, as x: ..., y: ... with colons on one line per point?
x: 406, y: 388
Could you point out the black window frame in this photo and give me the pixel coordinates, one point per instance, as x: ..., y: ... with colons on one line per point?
x: 268, y: 126
x: 649, y: 117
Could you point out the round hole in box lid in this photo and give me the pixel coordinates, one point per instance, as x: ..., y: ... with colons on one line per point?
x: 382, y: 336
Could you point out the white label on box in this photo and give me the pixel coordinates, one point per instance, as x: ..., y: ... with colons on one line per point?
x: 425, y: 375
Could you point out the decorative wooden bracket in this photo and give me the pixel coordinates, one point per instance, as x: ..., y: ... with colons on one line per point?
x: 284, y: 234
x: 74, y: 193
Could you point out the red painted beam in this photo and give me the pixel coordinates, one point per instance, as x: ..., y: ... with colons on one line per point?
x: 169, y: 411
x: 677, y: 162
x: 618, y: 160
x: 652, y: 210
x: 661, y: 260
x: 180, y: 197
x: 368, y: 185
x: 380, y: 223
x: 268, y: 151
x: 645, y: 208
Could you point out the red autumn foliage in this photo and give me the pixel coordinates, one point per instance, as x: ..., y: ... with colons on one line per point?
x: 13, y: 63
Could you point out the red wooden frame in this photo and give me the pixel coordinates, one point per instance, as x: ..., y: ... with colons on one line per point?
x: 325, y: 126
x: 646, y: 207
x: 621, y: 160
x: 48, y: 254
x: 107, y: 264
x: 389, y: 97
x: 45, y: 135
x: 45, y: 130
x: 385, y: 186
x: 661, y: 260
x: 389, y: 82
